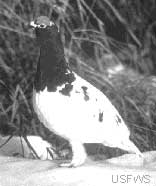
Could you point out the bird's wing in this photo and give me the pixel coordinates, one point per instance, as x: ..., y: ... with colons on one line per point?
x: 86, y: 113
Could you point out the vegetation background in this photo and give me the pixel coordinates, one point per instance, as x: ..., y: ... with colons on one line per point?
x: 111, y: 43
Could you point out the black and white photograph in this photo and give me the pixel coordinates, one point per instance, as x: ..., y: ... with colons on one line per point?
x: 77, y: 92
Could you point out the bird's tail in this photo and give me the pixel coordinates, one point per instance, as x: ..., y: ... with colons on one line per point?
x: 131, y: 147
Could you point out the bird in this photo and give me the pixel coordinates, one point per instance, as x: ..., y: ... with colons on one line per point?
x: 69, y: 105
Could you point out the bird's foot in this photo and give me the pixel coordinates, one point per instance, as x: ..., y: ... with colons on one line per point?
x: 70, y: 165
x: 76, y: 161
x: 79, y: 155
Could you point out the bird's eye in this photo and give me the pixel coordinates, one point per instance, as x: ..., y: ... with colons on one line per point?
x: 42, y: 26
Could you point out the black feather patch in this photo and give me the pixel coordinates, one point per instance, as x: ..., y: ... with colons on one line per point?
x: 101, y: 116
x: 67, y: 89
x: 86, y: 97
x: 52, y: 69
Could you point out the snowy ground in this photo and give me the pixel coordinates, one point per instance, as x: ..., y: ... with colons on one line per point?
x: 127, y: 169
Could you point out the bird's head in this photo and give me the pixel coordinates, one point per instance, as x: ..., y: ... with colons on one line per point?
x: 45, y: 29
x: 52, y: 68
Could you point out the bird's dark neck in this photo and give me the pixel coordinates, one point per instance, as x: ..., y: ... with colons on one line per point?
x: 52, y: 69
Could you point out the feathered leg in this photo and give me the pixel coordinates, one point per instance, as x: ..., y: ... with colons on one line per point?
x: 79, y: 155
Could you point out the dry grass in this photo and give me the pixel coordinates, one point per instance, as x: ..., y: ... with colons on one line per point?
x: 92, y: 52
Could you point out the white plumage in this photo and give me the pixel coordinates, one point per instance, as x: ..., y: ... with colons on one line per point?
x: 75, y: 110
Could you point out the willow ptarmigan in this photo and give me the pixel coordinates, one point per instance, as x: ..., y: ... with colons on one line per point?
x: 70, y: 106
